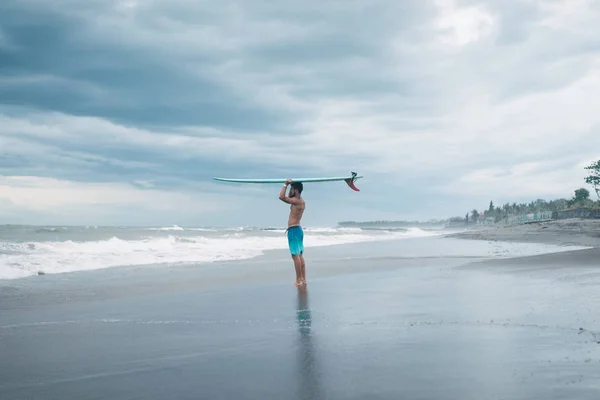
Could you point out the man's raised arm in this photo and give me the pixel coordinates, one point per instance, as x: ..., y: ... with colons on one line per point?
x: 282, y: 195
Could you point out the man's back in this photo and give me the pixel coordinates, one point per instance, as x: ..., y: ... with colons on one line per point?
x: 296, y: 212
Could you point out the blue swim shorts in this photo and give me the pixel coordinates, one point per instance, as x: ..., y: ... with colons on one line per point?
x: 295, y: 236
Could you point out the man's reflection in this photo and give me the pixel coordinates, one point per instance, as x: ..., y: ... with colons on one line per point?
x: 307, y: 362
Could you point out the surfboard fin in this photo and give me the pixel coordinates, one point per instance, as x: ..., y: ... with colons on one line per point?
x: 350, y: 182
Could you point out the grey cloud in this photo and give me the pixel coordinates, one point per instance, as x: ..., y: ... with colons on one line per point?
x: 162, y: 63
x: 128, y: 73
x: 88, y: 149
x: 83, y: 40
x: 523, y: 57
x: 4, y: 41
x: 517, y: 19
x: 128, y: 85
x: 21, y: 156
x: 343, y: 84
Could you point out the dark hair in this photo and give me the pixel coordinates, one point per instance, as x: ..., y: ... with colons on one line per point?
x: 298, y: 186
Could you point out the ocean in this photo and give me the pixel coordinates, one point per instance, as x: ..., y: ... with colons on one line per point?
x: 32, y: 250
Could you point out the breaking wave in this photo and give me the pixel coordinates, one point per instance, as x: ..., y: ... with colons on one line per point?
x: 169, y: 245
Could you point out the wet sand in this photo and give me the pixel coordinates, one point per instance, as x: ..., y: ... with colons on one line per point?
x: 376, y: 322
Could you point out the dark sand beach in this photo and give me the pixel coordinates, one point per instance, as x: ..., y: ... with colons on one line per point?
x: 424, y: 318
x: 572, y: 231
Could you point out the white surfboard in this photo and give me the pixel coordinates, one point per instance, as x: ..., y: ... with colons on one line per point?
x: 348, y: 179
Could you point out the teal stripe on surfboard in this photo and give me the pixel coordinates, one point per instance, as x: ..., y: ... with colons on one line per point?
x: 348, y: 179
x: 282, y: 180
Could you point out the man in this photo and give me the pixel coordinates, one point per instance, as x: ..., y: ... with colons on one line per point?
x: 294, y: 231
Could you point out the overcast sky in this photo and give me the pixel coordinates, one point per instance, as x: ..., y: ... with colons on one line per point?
x: 121, y: 112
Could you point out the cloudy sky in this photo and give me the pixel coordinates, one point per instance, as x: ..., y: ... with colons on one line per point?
x: 121, y: 111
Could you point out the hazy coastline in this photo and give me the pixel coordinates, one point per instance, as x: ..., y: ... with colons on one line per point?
x: 572, y: 231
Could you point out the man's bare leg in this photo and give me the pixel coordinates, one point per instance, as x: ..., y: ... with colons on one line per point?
x: 298, y: 267
x: 303, y: 269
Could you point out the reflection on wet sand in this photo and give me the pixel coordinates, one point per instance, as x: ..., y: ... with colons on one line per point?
x: 310, y: 386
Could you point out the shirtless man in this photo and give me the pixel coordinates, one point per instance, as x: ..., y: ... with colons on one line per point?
x: 295, y: 234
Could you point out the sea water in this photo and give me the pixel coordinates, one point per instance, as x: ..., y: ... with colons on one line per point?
x: 29, y: 250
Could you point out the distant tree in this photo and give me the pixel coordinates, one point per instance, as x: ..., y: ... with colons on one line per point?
x: 491, y: 208
x: 594, y: 177
x: 581, y: 195
x: 541, y: 204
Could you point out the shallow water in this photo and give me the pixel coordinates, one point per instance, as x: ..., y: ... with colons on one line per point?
x: 29, y: 250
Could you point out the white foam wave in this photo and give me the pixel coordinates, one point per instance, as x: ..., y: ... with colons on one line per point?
x: 334, y: 230
x: 24, y: 259
x: 167, y: 228
x: 179, y: 228
x: 418, y: 232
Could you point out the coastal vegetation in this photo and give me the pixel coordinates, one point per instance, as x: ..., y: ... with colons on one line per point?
x: 495, y: 214
x: 580, y: 199
x: 594, y: 177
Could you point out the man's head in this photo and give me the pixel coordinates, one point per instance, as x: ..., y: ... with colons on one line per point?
x: 296, y: 189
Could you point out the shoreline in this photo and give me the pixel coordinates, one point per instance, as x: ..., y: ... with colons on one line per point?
x: 37, y: 252
x: 570, y: 260
x: 274, y: 268
x: 565, y: 232
x: 568, y: 232
x: 389, y: 248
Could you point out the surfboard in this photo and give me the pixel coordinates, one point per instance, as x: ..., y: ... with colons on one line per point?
x: 348, y: 179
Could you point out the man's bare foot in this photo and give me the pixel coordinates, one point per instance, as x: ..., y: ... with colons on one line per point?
x: 298, y: 283
x: 303, y: 282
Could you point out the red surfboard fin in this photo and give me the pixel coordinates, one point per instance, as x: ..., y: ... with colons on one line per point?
x: 350, y: 182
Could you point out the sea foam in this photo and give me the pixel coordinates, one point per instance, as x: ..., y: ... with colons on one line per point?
x: 28, y: 258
